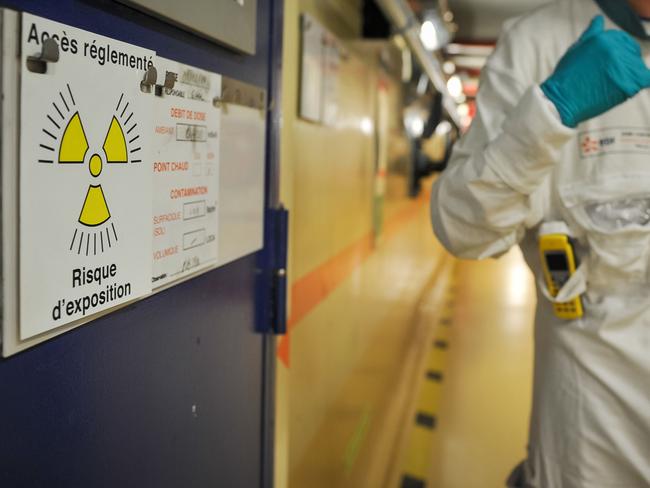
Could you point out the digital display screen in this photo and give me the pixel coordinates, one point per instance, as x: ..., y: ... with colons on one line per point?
x: 556, y: 261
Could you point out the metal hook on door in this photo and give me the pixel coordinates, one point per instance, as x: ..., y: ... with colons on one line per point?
x: 49, y: 54
x: 149, y: 79
x: 168, y: 84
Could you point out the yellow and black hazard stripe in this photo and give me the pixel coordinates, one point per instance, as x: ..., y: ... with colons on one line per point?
x: 419, y: 448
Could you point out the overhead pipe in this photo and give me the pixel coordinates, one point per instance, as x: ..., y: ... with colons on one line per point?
x: 406, y: 23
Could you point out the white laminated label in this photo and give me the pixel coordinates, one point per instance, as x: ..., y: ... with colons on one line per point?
x: 186, y: 137
x: 85, y: 176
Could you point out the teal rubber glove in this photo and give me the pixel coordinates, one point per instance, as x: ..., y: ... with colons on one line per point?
x: 600, y: 71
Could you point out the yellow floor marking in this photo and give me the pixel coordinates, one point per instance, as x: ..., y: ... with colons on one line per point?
x: 418, y: 455
x: 485, y: 404
x: 418, y: 460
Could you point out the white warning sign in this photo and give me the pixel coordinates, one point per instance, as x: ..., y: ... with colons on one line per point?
x: 85, y: 177
x: 186, y: 136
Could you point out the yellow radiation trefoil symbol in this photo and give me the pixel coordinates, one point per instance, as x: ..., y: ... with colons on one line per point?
x: 74, y: 147
x: 115, y: 143
x: 92, y: 236
x: 94, y: 211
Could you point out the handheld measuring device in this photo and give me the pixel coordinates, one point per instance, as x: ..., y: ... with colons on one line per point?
x: 559, y: 264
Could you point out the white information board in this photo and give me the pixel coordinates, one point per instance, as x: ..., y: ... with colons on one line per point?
x: 319, y: 73
x: 186, y: 136
x: 85, y: 177
x: 311, y: 69
x: 331, y: 75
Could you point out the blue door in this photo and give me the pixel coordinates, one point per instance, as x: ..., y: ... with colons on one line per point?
x: 174, y: 390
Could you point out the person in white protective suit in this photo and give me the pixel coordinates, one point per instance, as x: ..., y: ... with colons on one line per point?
x: 562, y: 134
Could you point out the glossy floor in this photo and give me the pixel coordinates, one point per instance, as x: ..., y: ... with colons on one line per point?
x: 486, y: 395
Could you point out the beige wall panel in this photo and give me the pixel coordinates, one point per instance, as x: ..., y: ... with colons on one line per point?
x: 399, y: 150
x: 333, y: 175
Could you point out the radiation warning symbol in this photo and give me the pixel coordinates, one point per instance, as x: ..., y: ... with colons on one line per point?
x: 66, y: 144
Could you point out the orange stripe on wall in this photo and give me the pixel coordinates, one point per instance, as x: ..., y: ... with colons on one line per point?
x: 314, y: 287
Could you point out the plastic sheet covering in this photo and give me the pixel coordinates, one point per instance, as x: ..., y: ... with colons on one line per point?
x: 619, y: 214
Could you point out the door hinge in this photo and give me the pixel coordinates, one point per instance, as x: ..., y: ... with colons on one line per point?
x: 271, y: 309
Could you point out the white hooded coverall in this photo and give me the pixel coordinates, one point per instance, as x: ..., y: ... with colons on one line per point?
x: 518, y: 167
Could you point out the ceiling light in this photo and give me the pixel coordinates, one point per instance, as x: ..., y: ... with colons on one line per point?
x: 449, y: 67
x: 366, y: 126
x: 455, y: 86
x: 429, y: 36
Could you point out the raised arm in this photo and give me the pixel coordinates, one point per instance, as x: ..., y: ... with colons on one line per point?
x: 495, y: 187
x: 492, y: 190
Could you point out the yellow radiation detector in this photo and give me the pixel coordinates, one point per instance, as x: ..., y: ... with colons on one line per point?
x: 559, y: 263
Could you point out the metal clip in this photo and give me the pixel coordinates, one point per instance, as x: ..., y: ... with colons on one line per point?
x: 168, y: 85
x: 170, y: 81
x: 149, y: 80
x: 49, y: 54
x: 220, y: 102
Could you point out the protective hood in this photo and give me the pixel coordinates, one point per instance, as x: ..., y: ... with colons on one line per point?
x: 620, y: 12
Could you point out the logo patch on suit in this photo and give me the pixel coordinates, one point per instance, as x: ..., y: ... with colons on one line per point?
x: 615, y: 140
